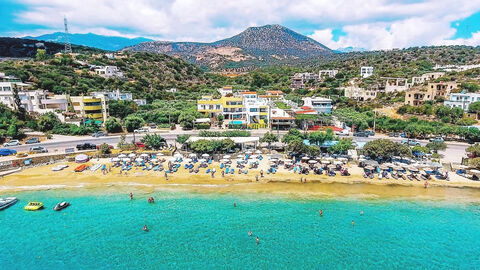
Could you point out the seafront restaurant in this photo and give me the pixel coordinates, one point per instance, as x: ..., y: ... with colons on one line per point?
x: 240, y: 142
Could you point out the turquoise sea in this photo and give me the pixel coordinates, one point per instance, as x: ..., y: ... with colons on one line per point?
x: 205, y: 231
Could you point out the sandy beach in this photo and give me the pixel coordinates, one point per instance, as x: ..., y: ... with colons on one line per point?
x: 283, y: 182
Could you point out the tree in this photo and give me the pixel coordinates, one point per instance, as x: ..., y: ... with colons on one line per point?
x: 18, y: 104
x: 13, y: 131
x: 474, y: 107
x: 292, y: 134
x: 113, y: 125
x: 220, y: 119
x: 296, y: 146
x: 154, y: 141
x: 269, y: 138
x: 133, y: 122
x: 104, y: 149
x: 384, y: 149
x: 187, y: 119
x: 474, y: 150
x: 227, y: 144
x: 48, y: 121
x: 342, y: 146
x: 436, y: 146
x: 41, y: 55
x: 122, y: 108
x: 182, y: 138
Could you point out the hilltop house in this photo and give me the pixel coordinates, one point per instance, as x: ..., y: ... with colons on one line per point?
x: 319, y: 104
x: 418, y: 97
x: 427, y: 77
x: 395, y: 84
x: 461, y: 100
x: 299, y: 80
x: 117, y: 95
x: 108, y: 71
x: 366, y: 72
x: 327, y: 73
x: 360, y: 94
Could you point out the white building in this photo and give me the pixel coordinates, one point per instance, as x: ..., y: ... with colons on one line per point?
x: 171, y: 90
x: 427, y: 77
x: 366, y: 72
x: 118, y: 95
x: 256, y: 109
x: 225, y: 91
x: 455, y: 68
x: 395, y: 84
x: 108, y: 71
x: 327, y: 73
x: 299, y: 80
x: 31, y: 101
x: 319, y: 104
x: 360, y: 94
x: 461, y: 100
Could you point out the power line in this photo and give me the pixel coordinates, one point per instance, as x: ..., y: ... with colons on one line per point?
x: 68, y: 45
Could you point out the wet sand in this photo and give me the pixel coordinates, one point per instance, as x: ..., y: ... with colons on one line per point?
x: 282, y: 183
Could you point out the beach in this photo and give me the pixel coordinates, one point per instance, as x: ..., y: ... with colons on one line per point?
x: 282, y: 182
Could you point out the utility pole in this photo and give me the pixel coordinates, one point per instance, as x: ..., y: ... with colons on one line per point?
x: 374, y: 119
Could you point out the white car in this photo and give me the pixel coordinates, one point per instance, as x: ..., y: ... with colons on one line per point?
x: 141, y: 130
x: 12, y: 143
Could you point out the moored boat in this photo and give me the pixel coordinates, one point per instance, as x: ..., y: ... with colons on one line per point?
x: 33, y: 206
x: 7, y: 202
x: 61, y: 206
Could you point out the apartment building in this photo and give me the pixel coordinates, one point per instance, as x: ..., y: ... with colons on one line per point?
x: 455, y: 68
x: 256, y: 109
x: 432, y: 91
x: 90, y: 107
x: 118, y: 95
x: 462, y: 100
x: 231, y: 107
x: 366, y: 72
x: 225, y: 91
x: 299, y: 80
x: 281, y: 119
x: 427, y: 77
x: 319, y: 104
x: 272, y: 95
x: 359, y: 93
x: 327, y: 73
x: 395, y: 84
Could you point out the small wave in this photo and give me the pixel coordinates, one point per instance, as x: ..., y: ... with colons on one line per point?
x: 39, y: 187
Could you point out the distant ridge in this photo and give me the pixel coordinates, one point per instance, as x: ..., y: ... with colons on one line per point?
x: 267, y: 44
x: 109, y: 43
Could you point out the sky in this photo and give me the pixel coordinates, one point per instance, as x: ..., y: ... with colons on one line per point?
x: 359, y: 24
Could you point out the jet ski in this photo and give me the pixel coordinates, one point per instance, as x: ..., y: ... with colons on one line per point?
x: 61, y: 206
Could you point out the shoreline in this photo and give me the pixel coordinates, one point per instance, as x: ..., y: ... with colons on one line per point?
x: 282, y: 183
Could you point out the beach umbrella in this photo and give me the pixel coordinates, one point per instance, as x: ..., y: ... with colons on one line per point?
x: 126, y: 159
x: 132, y: 155
x: 122, y: 156
x: 227, y: 156
x: 240, y: 156
x: 413, y: 169
x: 384, y: 167
x: 81, y: 158
x: 139, y: 159
x: 342, y: 159
x: 305, y: 158
x: 249, y: 152
x: 325, y: 161
x: 192, y: 155
x: 258, y: 152
x: 159, y: 154
x: 115, y: 159
x: 202, y: 160
x: 144, y: 155
x: 188, y: 160
x: 369, y: 168
x: 154, y: 160
x: 331, y: 166
x: 312, y: 161
x: 178, y: 155
x: 329, y: 158
x: 274, y: 159
x: 205, y: 155
x: 337, y: 162
x: 225, y: 160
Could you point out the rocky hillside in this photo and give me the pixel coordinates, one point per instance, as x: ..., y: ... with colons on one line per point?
x: 20, y: 48
x: 255, y: 46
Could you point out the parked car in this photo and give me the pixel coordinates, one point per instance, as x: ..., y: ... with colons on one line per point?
x: 370, y: 133
x: 152, y: 125
x: 411, y: 142
x: 141, y: 130
x: 140, y: 144
x: 109, y: 146
x: 86, y: 146
x: 99, y: 134
x: 344, y: 132
x: 32, y: 140
x: 436, y: 139
x: 38, y: 149
x: 12, y: 143
x: 21, y: 155
x: 7, y: 152
x: 360, y: 134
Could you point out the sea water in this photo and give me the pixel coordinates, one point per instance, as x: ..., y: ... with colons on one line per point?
x: 199, y: 231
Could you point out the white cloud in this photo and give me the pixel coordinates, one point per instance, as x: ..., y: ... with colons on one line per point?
x: 371, y: 24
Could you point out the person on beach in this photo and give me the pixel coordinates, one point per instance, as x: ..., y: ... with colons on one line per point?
x: 301, y: 179
x: 257, y: 240
x: 425, y: 185
x: 166, y: 176
x: 261, y: 173
x: 145, y: 228
x: 256, y: 177
x: 321, y: 212
x: 305, y: 180
x: 250, y: 233
x: 223, y: 173
x: 131, y: 196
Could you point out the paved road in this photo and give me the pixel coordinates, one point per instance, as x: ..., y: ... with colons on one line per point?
x: 454, y: 152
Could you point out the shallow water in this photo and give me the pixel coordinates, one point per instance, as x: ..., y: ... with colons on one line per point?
x: 187, y: 230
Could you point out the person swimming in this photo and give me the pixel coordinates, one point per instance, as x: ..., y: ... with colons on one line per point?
x: 234, y: 204
x: 353, y: 223
x: 131, y: 196
x: 321, y: 212
x: 257, y: 240
x: 145, y: 228
x: 361, y: 213
x: 250, y: 233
